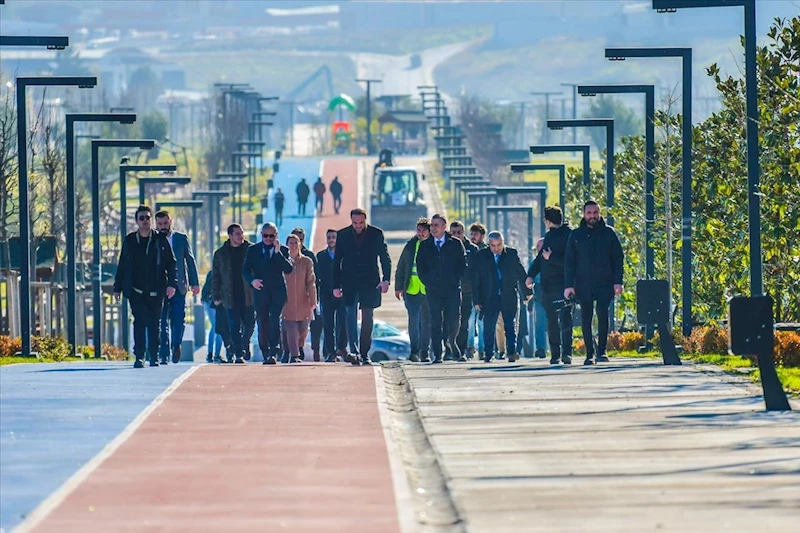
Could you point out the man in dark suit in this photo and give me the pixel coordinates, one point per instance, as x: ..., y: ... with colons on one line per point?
x: 458, y: 231
x: 264, y: 267
x: 593, y: 266
x: 356, y: 279
x: 441, y: 263
x: 173, y: 314
x: 333, y: 313
x: 498, y: 275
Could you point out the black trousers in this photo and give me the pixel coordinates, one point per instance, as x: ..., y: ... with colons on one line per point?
x: 268, y: 314
x: 146, y: 311
x: 491, y: 312
x: 316, y: 327
x: 587, y: 311
x: 559, y: 328
x: 466, y: 311
x: 445, y: 318
x: 333, y: 321
x: 242, y: 323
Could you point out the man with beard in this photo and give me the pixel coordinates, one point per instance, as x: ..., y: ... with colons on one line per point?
x: 457, y: 230
x: 146, y: 275
x: 173, y: 314
x: 232, y: 294
x: 593, y: 269
x: 356, y: 279
x: 441, y: 264
x: 549, y: 264
x: 409, y: 288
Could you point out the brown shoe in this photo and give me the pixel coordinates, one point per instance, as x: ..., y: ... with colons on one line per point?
x: 176, y: 354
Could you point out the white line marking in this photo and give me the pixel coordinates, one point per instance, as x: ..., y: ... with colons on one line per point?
x: 38, y: 515
x: 402, y: 492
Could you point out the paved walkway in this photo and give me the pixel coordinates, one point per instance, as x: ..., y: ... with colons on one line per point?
x: 246, y: 448
x: 627, y: 446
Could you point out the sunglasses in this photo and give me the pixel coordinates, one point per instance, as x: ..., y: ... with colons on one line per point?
x: 268, y: 235
x: 144, y: 217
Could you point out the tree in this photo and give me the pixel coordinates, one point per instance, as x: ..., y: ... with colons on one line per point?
x: 8, y: 170
x: 626, y: 121
x: 478, y: 120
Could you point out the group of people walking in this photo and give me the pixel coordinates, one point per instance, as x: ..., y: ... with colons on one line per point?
x: 303, y: 192
x: 453, y: 287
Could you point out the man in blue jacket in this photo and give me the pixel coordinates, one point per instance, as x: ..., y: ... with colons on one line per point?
x: 593, y: 266
x: 264, y: 267
x: 173, y: 314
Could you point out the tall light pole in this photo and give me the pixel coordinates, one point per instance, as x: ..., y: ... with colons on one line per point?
x: 213, y: 197
x: 236, y: 186
x: 71, y: 119
x: 546, y: 95
x: 582, y: 148
x: 239, y: 176
x: 143, y: 144
x: 608, y: 124
x: 24, y: 201
x: 369, y: 111
x: 649, y: 156
x: 618, y: 54
x: 574, y: 91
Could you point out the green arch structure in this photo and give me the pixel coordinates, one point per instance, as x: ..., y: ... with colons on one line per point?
x: 340, y: 101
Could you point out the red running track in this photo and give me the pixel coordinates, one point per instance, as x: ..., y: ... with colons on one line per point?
x: 347, y: 170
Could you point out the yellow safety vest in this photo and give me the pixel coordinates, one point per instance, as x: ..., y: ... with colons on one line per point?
x: 415, y: 286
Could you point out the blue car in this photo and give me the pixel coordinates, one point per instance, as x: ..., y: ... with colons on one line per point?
x: 388, y: 343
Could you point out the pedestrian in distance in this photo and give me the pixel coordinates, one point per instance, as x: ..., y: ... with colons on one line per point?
x: 215, y: 340
x: 409, y: 288
x: 173, y: 314
x: 499, y: 275
x: 477, y: 235
x: 333, y: 312
x: 264, y: 268
x: 319, y: 194
x: 593, y: 270
x: 146, y: 274
x: 336, y: 192
x: 360, y: 248
x: 301, y: 298
x: 232, y: 294
x: 441, y: 264
x: 302, y: 192
x: 458, y: 231
x: 549, y: 265
x: 280, y: 198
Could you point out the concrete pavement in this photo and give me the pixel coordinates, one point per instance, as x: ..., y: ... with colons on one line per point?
x: 627, y: 446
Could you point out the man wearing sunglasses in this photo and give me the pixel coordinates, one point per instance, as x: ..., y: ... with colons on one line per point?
x: 231, y: 293
x: 145, y: 275
x: 264, y: 267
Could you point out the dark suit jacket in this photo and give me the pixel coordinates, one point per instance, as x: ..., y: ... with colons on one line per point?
x: 356, y: 267
x: 486, y: 282
x: 185, y: 263
x: 441, y: 270
x: 324, y: 275
x: 259, y: 265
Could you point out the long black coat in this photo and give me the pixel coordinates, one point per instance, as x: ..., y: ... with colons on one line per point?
x: 355, y: 268
x: 259, y: 265
x: 324, y: 275
x: 593, y: 262
x: 441, y: 270
x: 486, y: 283
x: 159, y: 260
x: 552, y: 270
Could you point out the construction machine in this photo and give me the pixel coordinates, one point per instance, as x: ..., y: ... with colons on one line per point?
x: 397, y: 202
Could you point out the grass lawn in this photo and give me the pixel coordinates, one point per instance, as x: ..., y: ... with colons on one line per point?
x: 17, y: 360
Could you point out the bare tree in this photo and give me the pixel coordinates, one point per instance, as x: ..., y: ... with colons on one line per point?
x: 479, y: 123
x: 9, y: 169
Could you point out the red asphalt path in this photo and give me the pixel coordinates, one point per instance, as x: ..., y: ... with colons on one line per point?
x: 247, y: 448
x: 347, y: 170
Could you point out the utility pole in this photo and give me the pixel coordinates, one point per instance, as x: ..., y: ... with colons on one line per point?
x: 574, y: 108
x: 369, y: 111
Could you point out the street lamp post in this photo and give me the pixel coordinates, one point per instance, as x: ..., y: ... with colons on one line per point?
x: 608, y: 124
x: 71, y: 119
x: 562, y: 178
x: 143, y: 144
x: 251, y: 146
x: 369, y: 112
x: 144, y: 181
x: 51, y: 43
x: 236, y: 186
x: 686, y: 167
x: 234, y: 175
x: 24, y: 202
x: 194, y: 205
x: 212, y: 196
x: 649, y: 156
x: 582, y: 148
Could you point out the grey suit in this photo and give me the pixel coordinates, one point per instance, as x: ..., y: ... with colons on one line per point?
x: 186, y: 266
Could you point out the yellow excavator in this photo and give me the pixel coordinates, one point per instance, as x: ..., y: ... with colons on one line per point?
x: 397, y: 202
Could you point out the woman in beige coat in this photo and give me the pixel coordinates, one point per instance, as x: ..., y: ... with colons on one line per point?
x: 301, y: 298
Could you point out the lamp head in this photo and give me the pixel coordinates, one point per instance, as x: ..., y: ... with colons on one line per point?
x: 613, y: 58
x: 56, y: 47
x: 588, y: 94
x: 666, y: 10
x: 555, y: 128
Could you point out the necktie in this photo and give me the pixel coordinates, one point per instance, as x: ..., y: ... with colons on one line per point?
x: 439, y: 245
x: 497, y: 266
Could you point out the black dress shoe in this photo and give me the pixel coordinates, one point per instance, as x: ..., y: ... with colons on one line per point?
x: 488, y: 358
x: 602, y: 358
x: 588, y: 361
x: 414, y: 358
x: 164, y: 361
x: 540, y: 354
x: 462, y: 358
x: 239, y: 361
x: 247, y: 355
x: 513, y: 357
x: 209, y: 358
x: 302, y: 355
x: 176, y: 354
x: 437, y: 359
x: 425, y: 358
x: 355, y: 360
x: 138, y: 364
x: 271, y: 360
x: 555, y: 360
x: 218, y: 360
x: 566, y: 359
x: 366, y: 360
x: 153, y: 363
